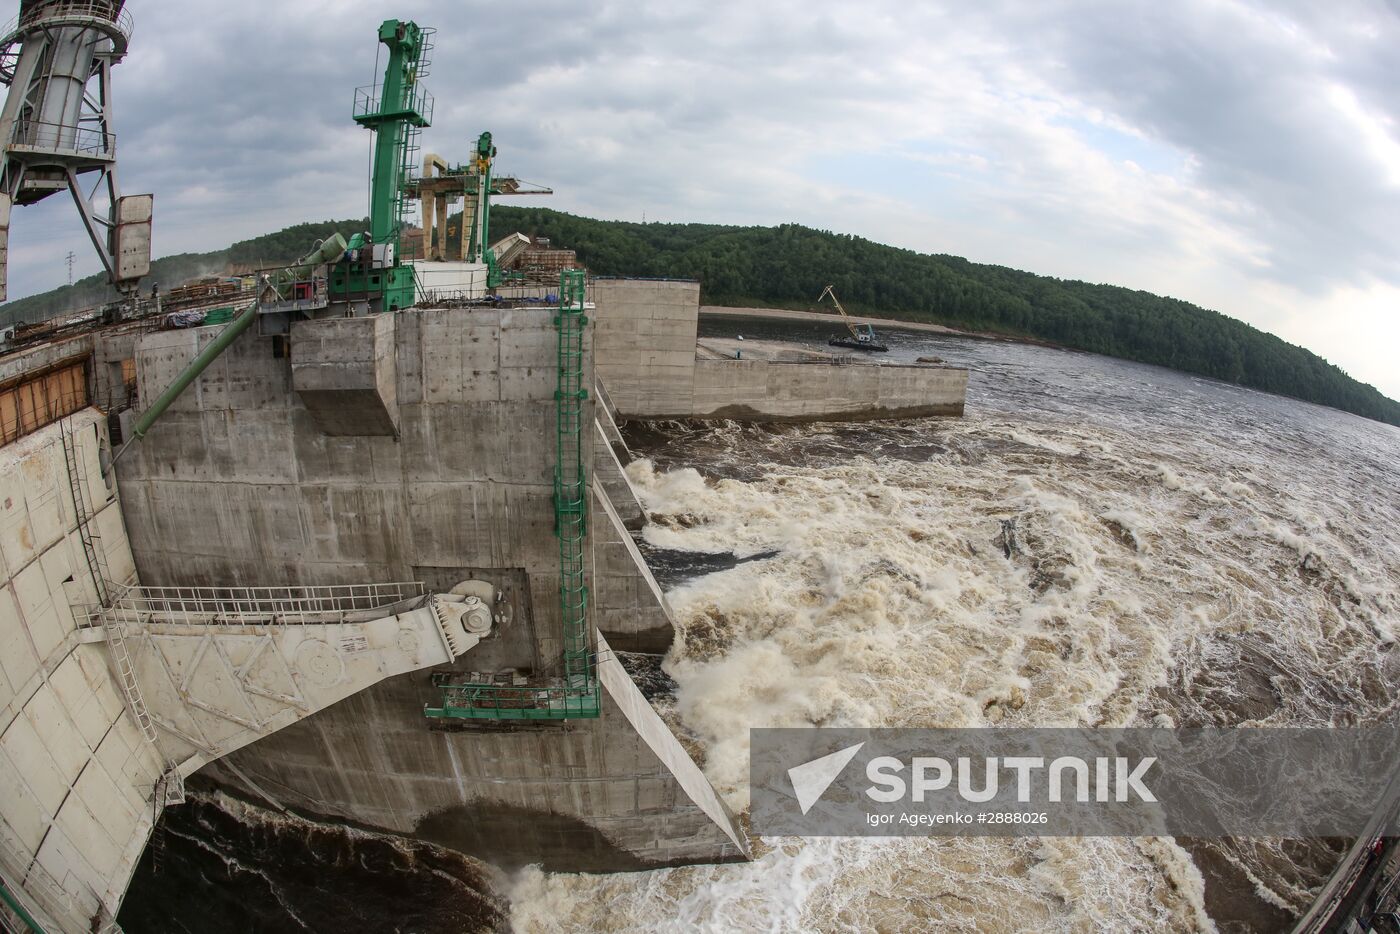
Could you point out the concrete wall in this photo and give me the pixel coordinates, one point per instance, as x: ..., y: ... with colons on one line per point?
x: 631, y: 609
x: 238, y: 484
x: 343, y: 370
x: 645, y: 344
x: 615, y: 793
x: 763, y: 390
x: 75, y: 771
x: 646, y: 358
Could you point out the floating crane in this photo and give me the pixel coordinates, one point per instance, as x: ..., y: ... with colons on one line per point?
x: 862, y: 336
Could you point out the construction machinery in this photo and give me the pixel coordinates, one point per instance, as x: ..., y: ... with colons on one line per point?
x: 862, y: 336
x: 56, y: 134
x: 372, y: 276
x: 476, y: 184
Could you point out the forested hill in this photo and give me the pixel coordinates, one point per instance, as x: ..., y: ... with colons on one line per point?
x: 788, y: 266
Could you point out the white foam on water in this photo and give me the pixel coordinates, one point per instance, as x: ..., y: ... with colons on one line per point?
x: 1159, y: 578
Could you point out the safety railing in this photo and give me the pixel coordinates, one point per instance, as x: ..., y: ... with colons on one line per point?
x: 238, y: 605
x: 504, y: 702
x: 75, y: 138
x: 33, y: 885
x: 45, y: 14
x: 417, y: 101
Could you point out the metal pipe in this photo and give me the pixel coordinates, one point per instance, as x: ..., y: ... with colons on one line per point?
x: 197, y: 366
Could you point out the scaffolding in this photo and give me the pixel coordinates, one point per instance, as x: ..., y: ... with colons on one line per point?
x: 578, y: 695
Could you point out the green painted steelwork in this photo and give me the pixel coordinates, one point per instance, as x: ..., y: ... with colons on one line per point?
x: 13, y: 904
x: 570, y: 484
x: 396, y: 110
x: 479, y: 211
x: 191, y: 373
x: 327, y: 252
x: 498, y: 702
x: 579, y: 695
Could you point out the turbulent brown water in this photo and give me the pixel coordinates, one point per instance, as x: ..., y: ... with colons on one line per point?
x: 1187, y: 553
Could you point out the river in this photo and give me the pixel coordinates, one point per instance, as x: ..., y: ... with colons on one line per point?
x: 1186, y: 553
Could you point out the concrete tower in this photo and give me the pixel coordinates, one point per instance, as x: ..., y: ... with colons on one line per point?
x: 56, y: 127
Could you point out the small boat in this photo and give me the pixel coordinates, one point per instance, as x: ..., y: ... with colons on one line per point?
x: 862, y: 337
x: 862, y: 341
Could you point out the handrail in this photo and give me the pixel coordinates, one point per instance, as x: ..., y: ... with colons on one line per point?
x: 101, y: 10
x: 231, y: 605
x: 43, y: 134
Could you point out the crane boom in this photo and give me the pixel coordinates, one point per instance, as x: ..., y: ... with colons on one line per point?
x: 844, y: 317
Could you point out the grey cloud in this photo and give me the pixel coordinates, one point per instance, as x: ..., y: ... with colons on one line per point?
x: 1237, y: 88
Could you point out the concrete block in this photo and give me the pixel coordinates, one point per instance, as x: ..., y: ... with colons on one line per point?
x: 21, y: 745
x: 24, y: 814
x: 344, y: 370
x: 37, y: 609
x: 17, y: 656
x: 64, y: 744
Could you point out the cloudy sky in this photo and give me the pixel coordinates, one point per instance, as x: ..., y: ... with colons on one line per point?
x: 1241, y: 155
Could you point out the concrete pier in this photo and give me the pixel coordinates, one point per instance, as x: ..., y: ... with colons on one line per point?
x: 240, y: 484
x: 648, y: 359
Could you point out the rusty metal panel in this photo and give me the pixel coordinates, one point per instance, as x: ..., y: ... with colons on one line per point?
x: 132, y: 240
x: 39, y: 399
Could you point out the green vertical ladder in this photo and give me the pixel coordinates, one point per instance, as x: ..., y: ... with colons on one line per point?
x: 570, y: 486
x: 579, y: 694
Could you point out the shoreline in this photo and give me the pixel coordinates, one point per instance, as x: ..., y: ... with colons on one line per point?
x: 789, y: 314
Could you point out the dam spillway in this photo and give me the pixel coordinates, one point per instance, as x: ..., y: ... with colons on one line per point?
x: 413, y: 447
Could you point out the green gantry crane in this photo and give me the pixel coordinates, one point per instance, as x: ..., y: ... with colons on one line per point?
x: 396, y: 110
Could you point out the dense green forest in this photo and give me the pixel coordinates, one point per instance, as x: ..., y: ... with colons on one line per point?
x: 787, y: 266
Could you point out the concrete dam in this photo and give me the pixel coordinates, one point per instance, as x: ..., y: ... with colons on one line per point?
x: 357, y: 545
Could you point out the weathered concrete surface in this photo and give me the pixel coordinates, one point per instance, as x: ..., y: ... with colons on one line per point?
x: 80, y: 776
x: 237, y: 484
x: 608, y: 470
x: 76, y: 774
x: 343, y: 369
x: 762, y: 390
x: 645, y: 344
x: 571, y: 797
x: 631, y: 609
x: 747, y: 381
x: 724, y: 311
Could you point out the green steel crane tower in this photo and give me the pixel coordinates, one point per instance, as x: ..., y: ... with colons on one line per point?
x: 375, y: 278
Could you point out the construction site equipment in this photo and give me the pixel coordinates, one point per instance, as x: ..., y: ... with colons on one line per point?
x: 56, y: 57
x: 191, y: 373
x: 862, y: 336
x: 374, y: 277
x: 579, y: 694
x: 476, y: 183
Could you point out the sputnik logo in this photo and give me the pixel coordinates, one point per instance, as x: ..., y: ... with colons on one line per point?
x: 810, y: 780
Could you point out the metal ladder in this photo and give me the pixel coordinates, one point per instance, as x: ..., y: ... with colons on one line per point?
x: 570, y: 488
x: 97, y: 567
x: 410, y: 146
x: 83, y: 512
